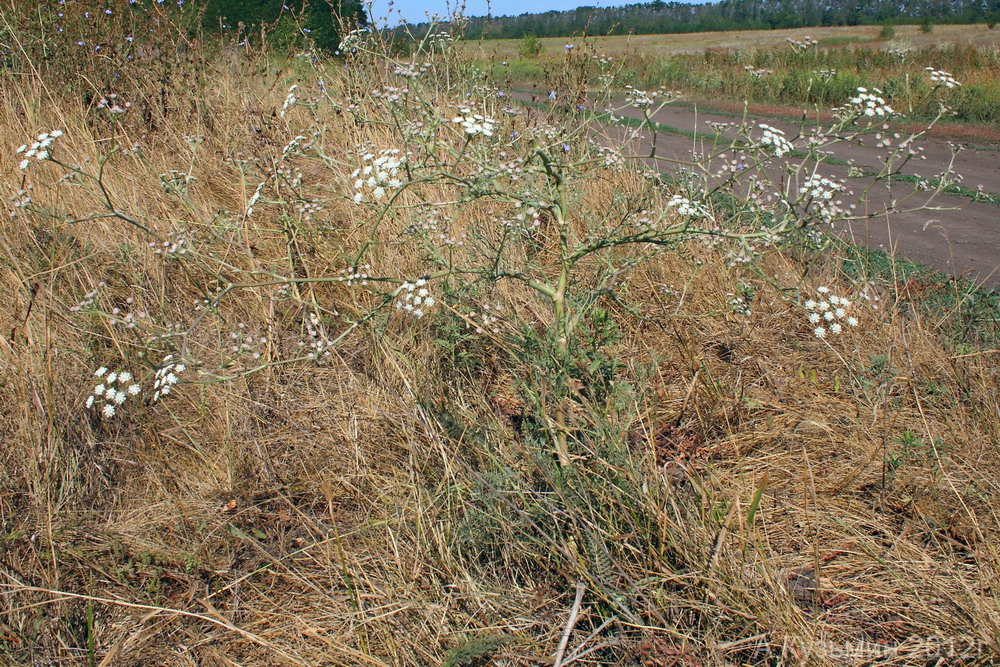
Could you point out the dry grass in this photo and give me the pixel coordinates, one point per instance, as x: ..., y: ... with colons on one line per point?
x: 363, y: 511
x: 978, y: 35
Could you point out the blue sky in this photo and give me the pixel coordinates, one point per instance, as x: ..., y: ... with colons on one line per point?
x: 415, y: 10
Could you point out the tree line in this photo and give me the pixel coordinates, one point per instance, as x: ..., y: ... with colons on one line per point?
x: 677, y: 17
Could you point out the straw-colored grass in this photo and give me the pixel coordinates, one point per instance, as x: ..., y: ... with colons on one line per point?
x: 731, y: 501
x: 978, y: 35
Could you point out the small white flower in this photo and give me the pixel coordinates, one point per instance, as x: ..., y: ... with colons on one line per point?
x: 124, y: 377
x: 813, y: 318
x: 99, y: 390
x: 852, y: 321
x: 835, y: 327
x: 101, y: 371
x: 24, y: 164
x: 90, y: 401
x: 112, y: 377
x: 134, y: 389
x: 820, y: 332
x: 822, y: 290
x: 119, y: 398
x: 810, y: 305
x: 108, y: 410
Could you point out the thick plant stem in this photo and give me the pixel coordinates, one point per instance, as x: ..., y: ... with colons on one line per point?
x: 562, y: 348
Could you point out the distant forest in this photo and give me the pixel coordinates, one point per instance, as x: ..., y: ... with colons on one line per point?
x: 673, y: 17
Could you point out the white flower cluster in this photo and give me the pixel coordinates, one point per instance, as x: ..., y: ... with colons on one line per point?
x: 129, y: 319
x: 474, y: 123
x: 719, y: 127
x: 524, y: 221
x: 20, y: 200
x: 177, y: 181
x: 688, y: 207
x: 166, y: 377
x: 290, y: 100
x: 411, y: 70
x: 865, y: 103
x: 828, y: 313
x: 612, y: 159
x: 111, y: 104
x: 295, y: 146
x: 255, y: 198
x: 440, y: 40
x: 740, y: 304
x: 390, y: 94
x: 357, y: 274
x: 309, y: 210
x: 88, y: 299
x: 942, y: 78
x: 640, y: 99
x: 39, y: 149
x: 732, y: 164
x: 799, y: 46
x: 826, y: 74
x: 380, y: 174
x: 243, y: 343
x: 114, y: 390
x: 774, y: 138
x: 354, y: 40
x: 414, y: 298
x: 757, y: 73
x: 320, y: 343
x: 819, y: 192
x: 485, y: 320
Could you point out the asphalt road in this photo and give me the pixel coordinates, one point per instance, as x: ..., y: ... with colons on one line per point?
x: 958, y: 236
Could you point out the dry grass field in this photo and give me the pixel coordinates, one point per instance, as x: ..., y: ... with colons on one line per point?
x: 763, y: 68
x: 568, y: 452
x: 694, y: 43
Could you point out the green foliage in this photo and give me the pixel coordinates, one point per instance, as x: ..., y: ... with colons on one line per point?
x: 292, y: 23
x: 530, y: 47
x: 966, y: 315
x: 829, y: 76
x: 476, y: 651
x: 680, y: 17
x: 911, y: 449
x: 886, y: 33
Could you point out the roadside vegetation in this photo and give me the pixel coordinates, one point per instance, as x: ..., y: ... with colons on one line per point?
x: 796, y: 71
x: 308, y: 360
x: 801, y: 73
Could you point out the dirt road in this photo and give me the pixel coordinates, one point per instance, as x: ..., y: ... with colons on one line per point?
x: 960, y: 236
